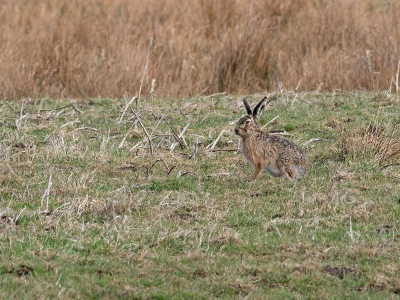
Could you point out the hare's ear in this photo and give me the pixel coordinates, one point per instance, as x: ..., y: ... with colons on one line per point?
x: 247, y: 106
x: 259, y: 107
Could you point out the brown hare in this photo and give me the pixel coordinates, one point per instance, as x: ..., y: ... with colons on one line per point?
x: 274, y: 153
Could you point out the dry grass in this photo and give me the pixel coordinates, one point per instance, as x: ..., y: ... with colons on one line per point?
x: 126, y: 48
x: 373, y: 143
x: 370, y: 144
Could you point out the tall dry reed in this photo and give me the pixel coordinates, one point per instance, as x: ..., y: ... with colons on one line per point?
x: 175, y: 48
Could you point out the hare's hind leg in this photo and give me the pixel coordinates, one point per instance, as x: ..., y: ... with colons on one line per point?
x: 288, y: 173
x: 286, y: 166
x: 291, y: 172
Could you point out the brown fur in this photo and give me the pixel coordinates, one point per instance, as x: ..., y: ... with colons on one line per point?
x: 279, y: 156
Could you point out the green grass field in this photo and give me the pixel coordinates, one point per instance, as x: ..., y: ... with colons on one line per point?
x: 101, y: 200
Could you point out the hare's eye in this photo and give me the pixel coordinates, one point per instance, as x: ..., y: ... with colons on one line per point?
x: 248, y: 122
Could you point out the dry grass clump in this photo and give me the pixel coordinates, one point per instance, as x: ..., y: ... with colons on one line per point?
x: 125, y: 48
x: 370, y: 144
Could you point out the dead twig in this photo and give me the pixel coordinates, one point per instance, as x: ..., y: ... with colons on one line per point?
x: 126, y: 108
x: 9, y: 105
x: 269, y: 122
x: 223, y: 150
x: 216, y: 141
x: 86, y: 128
x: 183, y: 132
x: 47, y: 193
x: 169, y: 170
x: 390, y: 165
x: 217, y: 94
x: 63, y: 107
x: 178, y: 136
x: 155, y: 127
x: 70, y: 123
x: 158, y: 160
x: 17, y: 217
x: 144, y: 129
x: 76, y: 109
x: 312, y: 141
x: 121, y: 144
x: 189, y: 173
x: 138, y: 148
x: 172, y: 168
x: 202, y: 92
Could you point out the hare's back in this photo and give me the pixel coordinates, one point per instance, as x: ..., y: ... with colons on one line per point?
x: 283, y: 144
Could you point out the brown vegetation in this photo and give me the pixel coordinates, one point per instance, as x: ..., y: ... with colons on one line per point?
x: 176, y: 48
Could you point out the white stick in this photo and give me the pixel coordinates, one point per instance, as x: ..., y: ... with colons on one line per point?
x: 182, y: 133
x: 270, y: 122
x: 70, y: 123
x: 216, y: 141
x: 123, y: 140
x: 126, y: 108
x: 47, y: 192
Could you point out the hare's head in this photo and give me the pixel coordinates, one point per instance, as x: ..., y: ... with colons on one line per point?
x: 250, y: 123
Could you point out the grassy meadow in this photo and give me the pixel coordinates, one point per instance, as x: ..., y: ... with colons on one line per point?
x: 118, y: 199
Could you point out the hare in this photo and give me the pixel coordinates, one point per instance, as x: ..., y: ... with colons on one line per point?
x: 274, y: 153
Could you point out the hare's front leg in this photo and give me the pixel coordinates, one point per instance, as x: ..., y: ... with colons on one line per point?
x: 256, y: 172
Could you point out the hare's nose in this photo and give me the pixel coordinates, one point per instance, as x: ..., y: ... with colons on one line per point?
x: 236, y: 131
